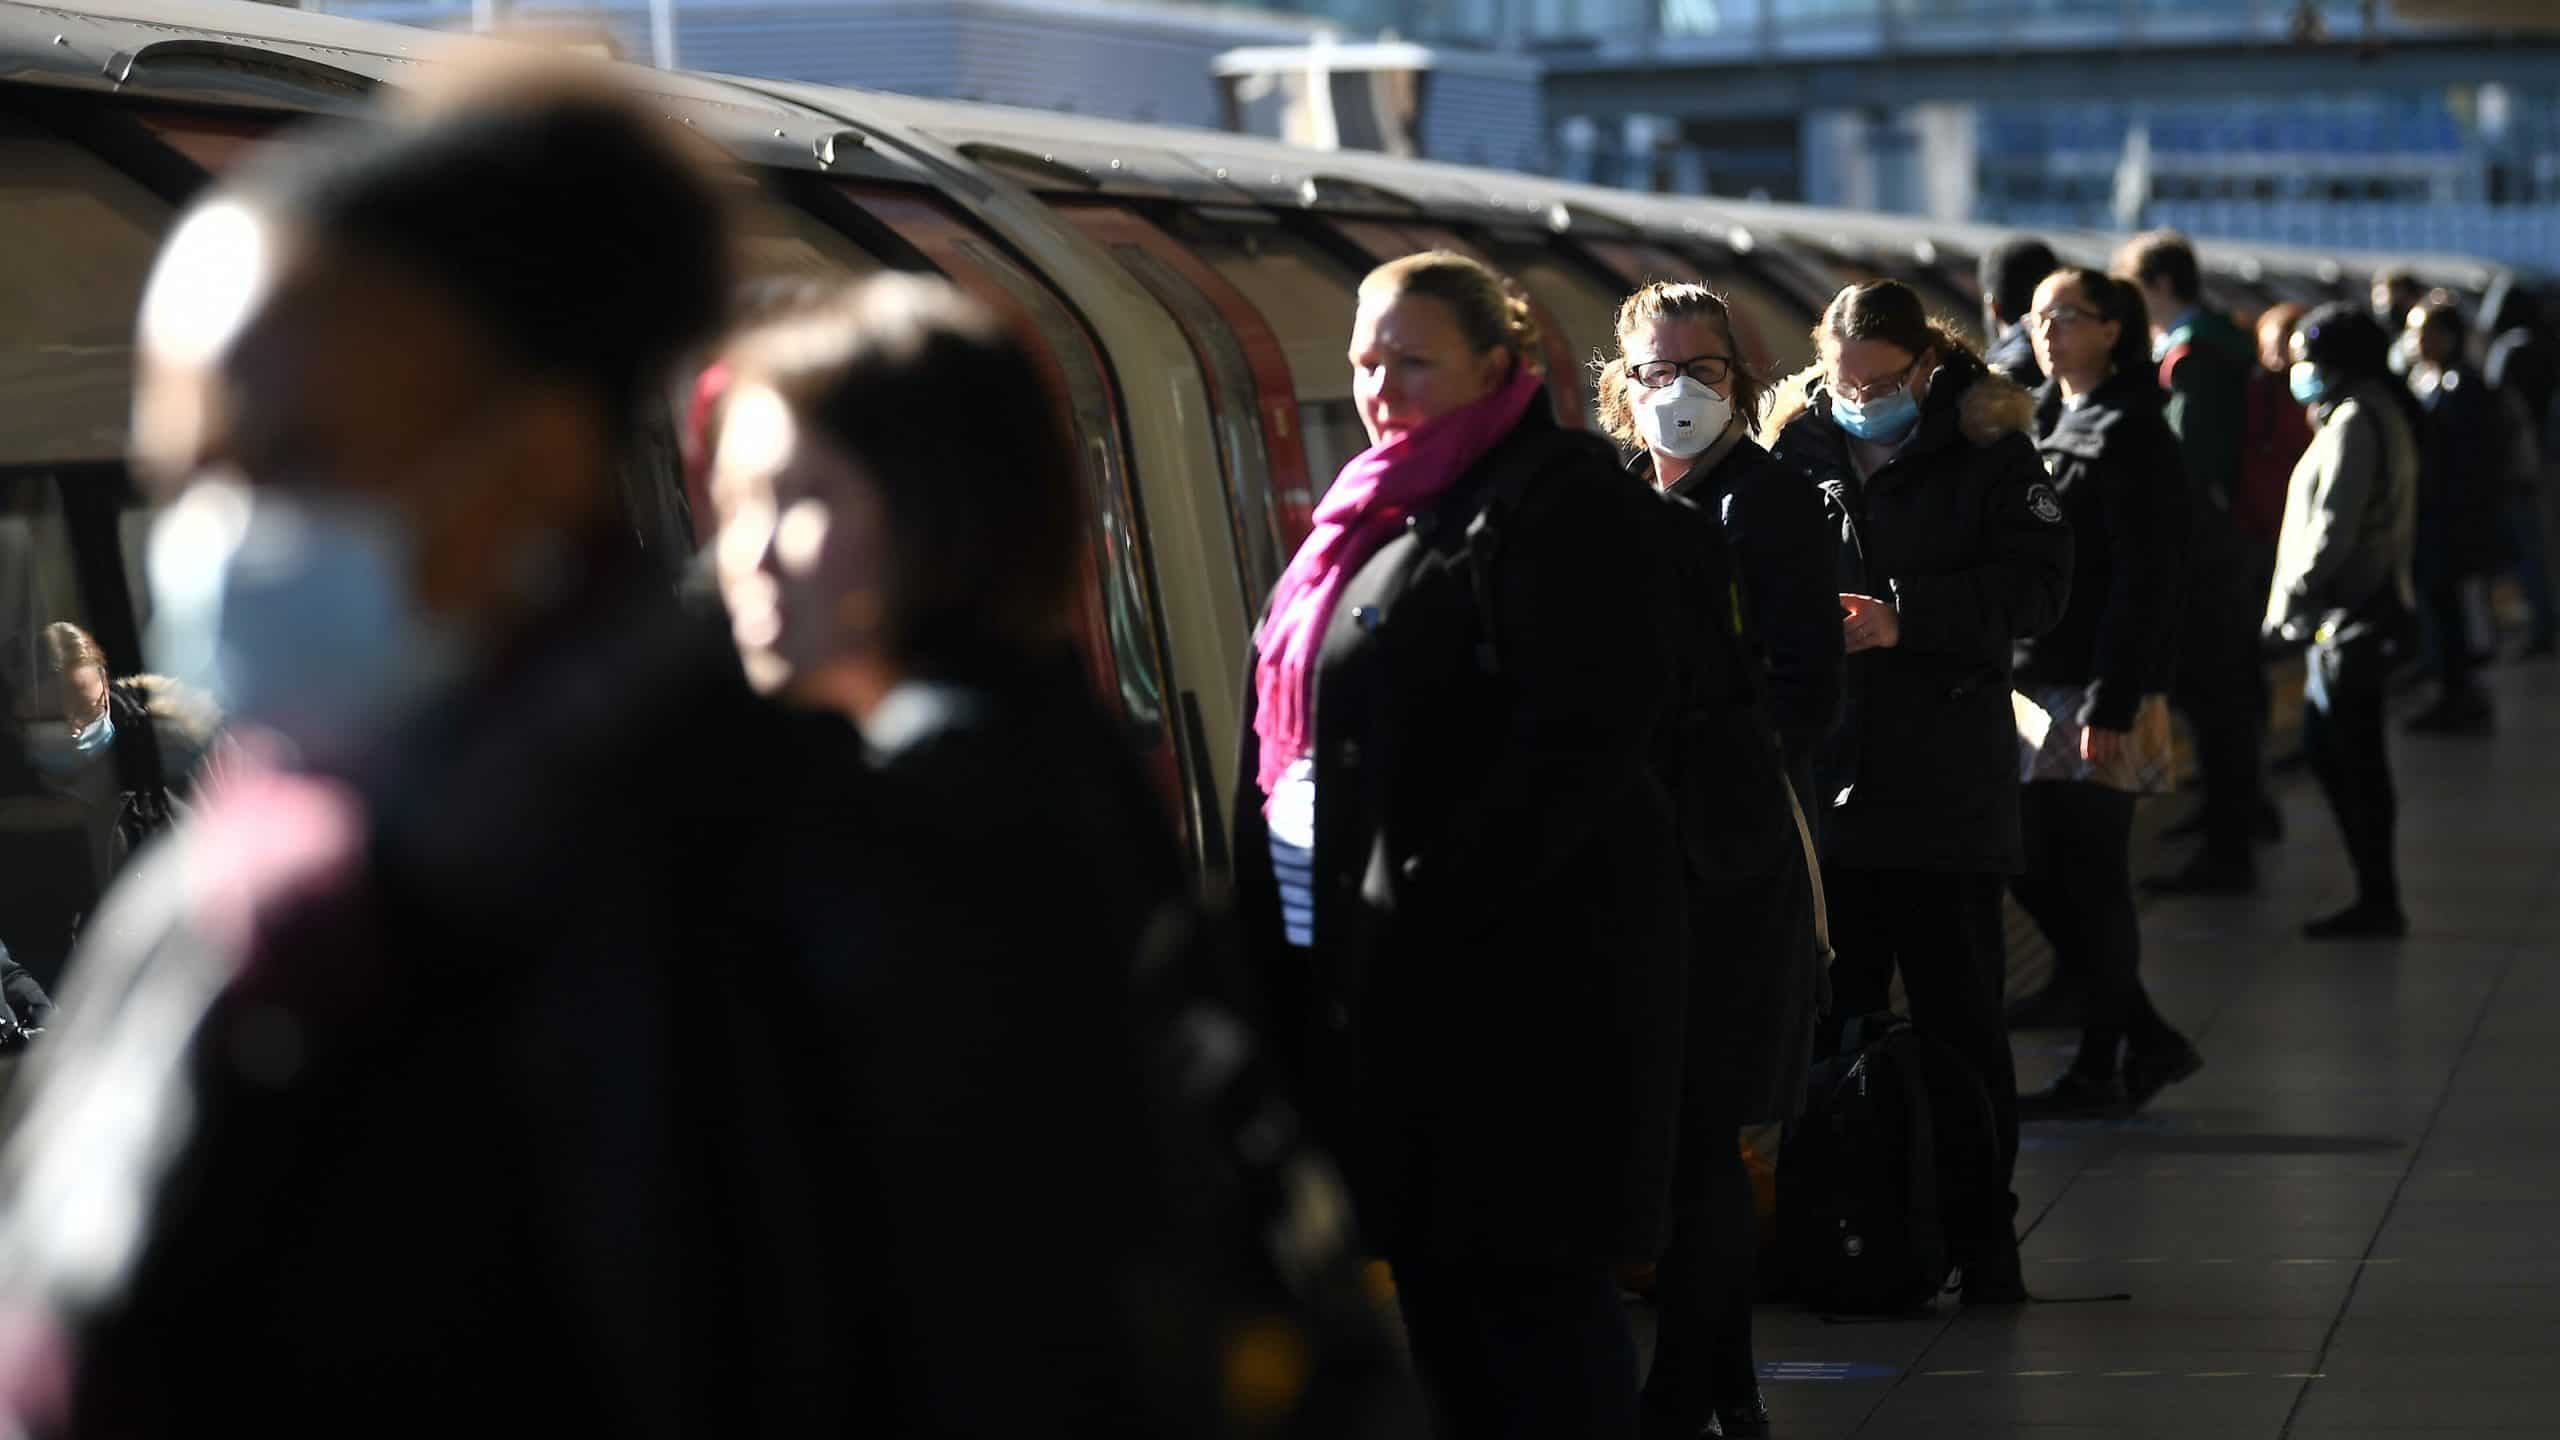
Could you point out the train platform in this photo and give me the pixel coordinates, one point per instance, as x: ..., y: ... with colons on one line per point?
x: 2344, y: 1226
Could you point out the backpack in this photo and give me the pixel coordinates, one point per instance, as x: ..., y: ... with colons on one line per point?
x: 1897, y: 1136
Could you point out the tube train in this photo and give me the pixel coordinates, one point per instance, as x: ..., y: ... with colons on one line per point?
x: 1190, y: 294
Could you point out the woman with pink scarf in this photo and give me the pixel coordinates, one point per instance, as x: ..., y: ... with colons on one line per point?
x: 1455, y: 862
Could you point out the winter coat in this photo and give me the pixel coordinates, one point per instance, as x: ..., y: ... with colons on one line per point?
x: 1786, y: 548
x: 1487, y: 1027
x: 2116, y: 466
x: 28, y: 1005
x: 1961, y: 533
x: 2350, y: 521
x: 2464, y: 476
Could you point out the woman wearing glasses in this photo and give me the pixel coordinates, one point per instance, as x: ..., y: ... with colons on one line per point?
x: 1678, y: 398
x: 1953, y: 549
x: 2093, y: 719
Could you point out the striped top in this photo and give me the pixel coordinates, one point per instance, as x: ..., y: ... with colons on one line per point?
x: 1292, y: 821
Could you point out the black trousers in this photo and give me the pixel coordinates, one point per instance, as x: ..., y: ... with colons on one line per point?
x: 2345, y: 740
x: 2222, y: 684
x: 1943, y: 930
x: 1519, y: 1352
x: 2079, y: 887
x: 2449, y: 634
x: 1703, y: 1285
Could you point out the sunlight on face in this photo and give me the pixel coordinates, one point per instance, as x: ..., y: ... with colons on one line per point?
x: 802, y: 545
x: 1411, y: 364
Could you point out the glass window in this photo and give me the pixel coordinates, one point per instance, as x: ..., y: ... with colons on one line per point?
x: 777, y: 239
x: 63, y: 772
x: 1251, y: 508
x: 80, y: 242
x: 1308, y: 298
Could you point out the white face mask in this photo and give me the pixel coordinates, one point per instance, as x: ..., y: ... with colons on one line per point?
x: 1682, y: 418
x: 298, y: 614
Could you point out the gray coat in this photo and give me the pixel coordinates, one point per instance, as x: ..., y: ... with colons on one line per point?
x: 2351, y: 518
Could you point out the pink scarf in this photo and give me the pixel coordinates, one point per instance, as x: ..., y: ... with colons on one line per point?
x: 1365, y: 509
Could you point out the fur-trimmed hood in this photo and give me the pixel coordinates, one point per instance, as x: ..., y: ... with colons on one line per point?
x: 186, y: 712
x: 1988, y: 406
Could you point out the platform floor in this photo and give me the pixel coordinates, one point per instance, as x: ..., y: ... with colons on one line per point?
x: 2348, y: 1224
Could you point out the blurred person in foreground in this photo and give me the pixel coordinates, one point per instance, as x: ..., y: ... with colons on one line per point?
x: 2394, y: 293
x: 448, y: 1070
x: 2343, y: 590
x: 2092, y: 692
x: 2467, y: 446
x: 2204, y: 364
x: 891, y: 564
x: 1455, y: 859
x: 2010, y: 272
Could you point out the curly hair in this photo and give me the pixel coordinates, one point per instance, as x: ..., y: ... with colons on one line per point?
x: 1614, y: 406
x: 1492, y: 310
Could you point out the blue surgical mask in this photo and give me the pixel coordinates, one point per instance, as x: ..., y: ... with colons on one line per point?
x: 1883, y: 420
x: 2310, y: 383
x: 65, y: 756
x: 297, y: 614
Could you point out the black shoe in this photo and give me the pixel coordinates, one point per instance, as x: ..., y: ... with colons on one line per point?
x: 2464, y: 714
x: 2206, y: 875
x: 2542, y: 646
x: 2148, y: 1072
x: 2078, y: 1095
x: 2266, y: 821
x: 2360, y: 921
x: 1996, y: 1281
x: 1751, y: 1417
x: 1651, y: 1425
x: 2058, y: 1006
x: 2187, y: 829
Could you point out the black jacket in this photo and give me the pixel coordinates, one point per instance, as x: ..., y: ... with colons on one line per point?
x: 2116, y: 465
x: 2464, y: 477
x: 1787, y: 549
x: 1961, y: 532
x: 1488, y: 1026
x: 1755, y: 977
x: 2012, y: 357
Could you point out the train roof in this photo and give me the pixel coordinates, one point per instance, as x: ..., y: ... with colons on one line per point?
x: 235, y: 53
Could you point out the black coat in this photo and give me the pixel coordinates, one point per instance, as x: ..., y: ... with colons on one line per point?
x: 2117, y: 466
x: 1755, y: 977
x: 2465, y: 448
x: 2012, y: 357
x: 1961, y: 532
x: 1786, y: 548
x: 1488, y: 1026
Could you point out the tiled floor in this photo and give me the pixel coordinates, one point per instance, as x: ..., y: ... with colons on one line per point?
x: 2349, y: 1224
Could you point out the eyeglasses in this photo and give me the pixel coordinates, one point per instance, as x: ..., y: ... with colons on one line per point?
x: 1705, y: 369
x: 1881, y: 385
x: 2060, y: 317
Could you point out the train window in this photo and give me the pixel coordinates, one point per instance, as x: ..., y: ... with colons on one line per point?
x: 1308, y: 299
x: 777, y: 238
x: 1121, y: 631
x: 81, y: 240
x: 58, y: 792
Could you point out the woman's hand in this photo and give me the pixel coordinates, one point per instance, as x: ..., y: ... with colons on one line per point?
x: 1868, y: 623
x: 2101, y: 747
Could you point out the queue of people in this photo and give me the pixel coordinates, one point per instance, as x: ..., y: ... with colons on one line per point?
x: 473, y: 1041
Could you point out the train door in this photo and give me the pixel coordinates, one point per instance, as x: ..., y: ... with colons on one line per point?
x: 81, y: 240
x: 1262, y: 452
